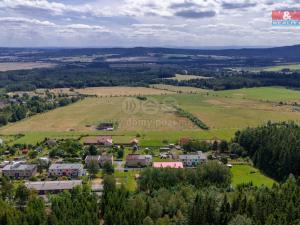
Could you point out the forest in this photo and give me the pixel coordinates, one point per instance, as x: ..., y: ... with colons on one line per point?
x: 163, y: 204
x: 274, y: 148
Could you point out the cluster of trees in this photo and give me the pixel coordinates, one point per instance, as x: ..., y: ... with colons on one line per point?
x: 187, y: 205
x: 20, y: 206
x: 67, y: 149
x: 192, y: 118
x: 20, y: 107
x: 211, y: 173
x: 274, y: 148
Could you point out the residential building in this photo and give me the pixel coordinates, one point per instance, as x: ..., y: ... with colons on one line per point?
x: 136, y: 160
x: 193, y: 160
x: 66, y: 169
x: 100, y: 159
x: 44, y: 187
x: 19, y: 170
x: 99, y: 140
x: 175, y: 165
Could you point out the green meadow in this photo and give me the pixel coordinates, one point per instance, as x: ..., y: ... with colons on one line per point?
x: 246, y: 173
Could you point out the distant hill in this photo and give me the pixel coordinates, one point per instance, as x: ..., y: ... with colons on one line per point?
x: 286, y: 52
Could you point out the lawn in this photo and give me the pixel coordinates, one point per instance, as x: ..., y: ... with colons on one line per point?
x: 246, y: 173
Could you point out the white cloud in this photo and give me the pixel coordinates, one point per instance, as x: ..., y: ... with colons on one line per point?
x: 144, y: 22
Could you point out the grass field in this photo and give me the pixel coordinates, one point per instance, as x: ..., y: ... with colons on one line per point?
x: 246, y: 173
x: 274, y: 94
x: 180, y: 77
x: 293, y: 67
x: 121, y: 91
x: 223, y: 111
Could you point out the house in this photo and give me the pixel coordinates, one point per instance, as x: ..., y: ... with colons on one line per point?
x: 100, y: 159
x: 25, y: 151
x: 136, y: 160
x: 66, y: 169
x: 174, y: 165
x: 193, y: 160
x: 44, y: 187
x: 19, y: 170
x: 99, y: 140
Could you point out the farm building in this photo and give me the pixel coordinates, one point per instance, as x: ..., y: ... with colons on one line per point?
x: 100, y: 159
x: 136, y: 160
x: 66, y: 169
x: 105, y: 126
x: 174, y: 165
x: 99, y: 140
x: 19, y: 170
x: 44, y: 187
x: 193, y: 160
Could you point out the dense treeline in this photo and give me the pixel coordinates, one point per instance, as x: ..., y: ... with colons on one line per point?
x: 205, y: 175
x: 195, y: 120
x: 25, y: 207
x: 236, y: 80
x: 187, y: 205
x: 81, y: 76
x: 274, y: 148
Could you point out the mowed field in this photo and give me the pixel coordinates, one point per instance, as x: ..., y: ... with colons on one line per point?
x: 130, y: 113
x: 293, y: 67
x: 246, y: 173
x: 156, y: 121
x: 121, y: 91
x: 24, y: 66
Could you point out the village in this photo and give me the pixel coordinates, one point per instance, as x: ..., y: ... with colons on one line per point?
x: 57, y: 165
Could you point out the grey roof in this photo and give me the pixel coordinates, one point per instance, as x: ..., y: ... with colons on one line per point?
x: 66, y: 166
x: 53, y: 185
x: 18, y: 167
x: 193, y: 157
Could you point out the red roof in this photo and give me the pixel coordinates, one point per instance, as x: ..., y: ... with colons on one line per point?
x: 167, y: 165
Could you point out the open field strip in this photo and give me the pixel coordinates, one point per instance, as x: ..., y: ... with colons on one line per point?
x: 281, y: 67
x: 273, y: 94
x: 8, y: 66
x: 121, y: 91
x: 246, y: 173
x: 180, y: 77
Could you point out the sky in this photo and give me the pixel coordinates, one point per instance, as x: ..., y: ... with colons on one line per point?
x: 149, y: 23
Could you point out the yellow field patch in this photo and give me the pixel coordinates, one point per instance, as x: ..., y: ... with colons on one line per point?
x: 130, y: 113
